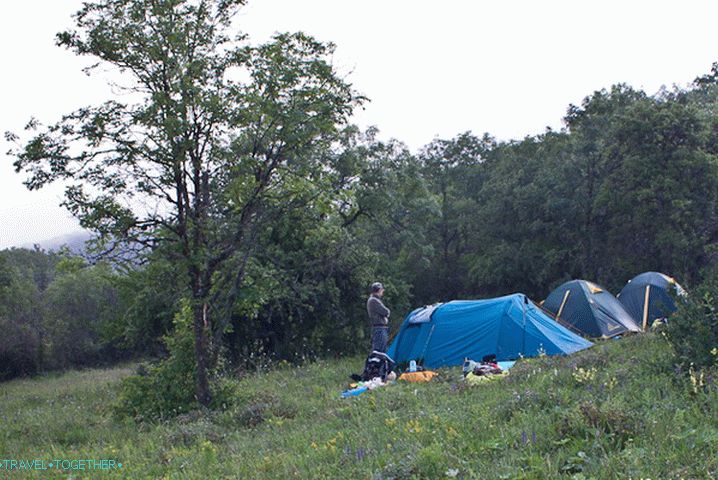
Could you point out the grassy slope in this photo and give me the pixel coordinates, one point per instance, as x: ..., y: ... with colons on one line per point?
x: 618, y: 410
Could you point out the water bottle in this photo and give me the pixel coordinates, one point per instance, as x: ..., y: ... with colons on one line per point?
x: 412, y: 366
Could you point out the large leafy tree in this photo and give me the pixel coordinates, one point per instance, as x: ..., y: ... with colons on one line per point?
x: 594, y: 128
x: 211, y: 133
x: 454, y: 173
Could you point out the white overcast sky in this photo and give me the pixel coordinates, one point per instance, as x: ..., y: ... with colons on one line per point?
x: 431, y: 69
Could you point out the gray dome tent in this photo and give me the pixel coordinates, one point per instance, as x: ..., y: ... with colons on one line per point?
x: 649, y: 296
x: 590, y: 310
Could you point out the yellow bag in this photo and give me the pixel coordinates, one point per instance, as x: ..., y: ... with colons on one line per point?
x: 424, y: 376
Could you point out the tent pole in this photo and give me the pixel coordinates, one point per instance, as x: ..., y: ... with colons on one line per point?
x: 523, y: 337
x: 645, y: 307
x: 563, y: 304
x: 431, y: 332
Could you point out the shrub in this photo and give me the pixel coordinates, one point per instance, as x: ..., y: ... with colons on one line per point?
x: 167, y: 388
x: 693, y: 329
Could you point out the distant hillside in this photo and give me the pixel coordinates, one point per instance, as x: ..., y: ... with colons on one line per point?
x: 75, y: 241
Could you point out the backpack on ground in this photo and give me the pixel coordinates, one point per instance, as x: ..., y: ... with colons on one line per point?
x: 378, y: 364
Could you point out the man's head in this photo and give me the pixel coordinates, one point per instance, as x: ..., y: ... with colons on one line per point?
x: 377, y: 289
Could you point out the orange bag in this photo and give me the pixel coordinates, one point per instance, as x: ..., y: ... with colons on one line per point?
x: 424, y: 376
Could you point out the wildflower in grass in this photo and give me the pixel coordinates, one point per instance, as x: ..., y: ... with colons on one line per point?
x: 390, y: 422
x: 451, y: 432
x: 697, y: 379
x: 208, y: 446
x: 582, y: 375
x: 413, y: 426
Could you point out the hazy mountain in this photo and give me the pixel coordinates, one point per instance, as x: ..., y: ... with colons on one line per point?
x: 75, y: 241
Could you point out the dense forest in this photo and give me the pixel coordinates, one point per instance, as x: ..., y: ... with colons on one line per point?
x: 630, y: 184
x: 279, y: 213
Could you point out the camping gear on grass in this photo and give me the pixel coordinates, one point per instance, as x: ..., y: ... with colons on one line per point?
x: 486, y: 369
x: 509, y: 327
x: 474, y: 379
x: 650, y: 296
x: 354, y: 392
x: 356, y: 389
x: 590, y: 310
x: 377, y: 364
x: 476, y: 373
x: 424, y: 376
x: 487, y: 366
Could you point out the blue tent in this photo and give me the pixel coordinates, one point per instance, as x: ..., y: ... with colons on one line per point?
x: 649, y: 296
x: 511, y: 326
x: 590, y: 310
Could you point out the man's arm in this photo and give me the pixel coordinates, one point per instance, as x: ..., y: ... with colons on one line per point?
x: 379, y: 308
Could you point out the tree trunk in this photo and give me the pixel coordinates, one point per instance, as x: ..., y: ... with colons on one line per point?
x: 200, y: 348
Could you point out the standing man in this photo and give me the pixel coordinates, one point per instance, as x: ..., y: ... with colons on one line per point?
x: 378, y: 318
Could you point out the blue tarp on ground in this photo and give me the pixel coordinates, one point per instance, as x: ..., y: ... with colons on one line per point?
x: 508, y: 327
x: 660, y: 296
x: 506, y: 365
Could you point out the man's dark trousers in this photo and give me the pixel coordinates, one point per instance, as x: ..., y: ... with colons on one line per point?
x: 379, y: 338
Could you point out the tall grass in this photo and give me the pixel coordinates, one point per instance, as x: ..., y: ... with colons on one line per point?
x: 618, y: 410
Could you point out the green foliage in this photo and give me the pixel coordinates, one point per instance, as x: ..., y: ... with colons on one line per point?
x: 304, y: 293
x: 150, y: 296
x: 85, y: 307
x: 57, y: 312
x: 167, y: 388
x: 693, y: 329
x: 20, y: 322
x: 70, y: 265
